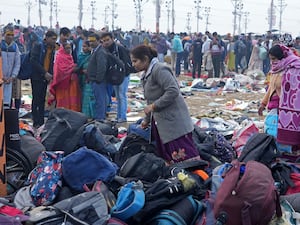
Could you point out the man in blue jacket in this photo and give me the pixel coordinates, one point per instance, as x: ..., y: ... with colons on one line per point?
x: 41, y: 58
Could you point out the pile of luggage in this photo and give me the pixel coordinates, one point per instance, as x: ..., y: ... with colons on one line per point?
x: 80, y: 172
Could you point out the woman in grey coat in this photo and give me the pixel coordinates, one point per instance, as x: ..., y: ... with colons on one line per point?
x: 166, y: 111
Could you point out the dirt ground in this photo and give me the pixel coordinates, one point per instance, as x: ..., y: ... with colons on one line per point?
x: 201, y: 104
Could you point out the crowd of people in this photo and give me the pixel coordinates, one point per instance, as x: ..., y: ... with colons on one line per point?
x: 69, y: 69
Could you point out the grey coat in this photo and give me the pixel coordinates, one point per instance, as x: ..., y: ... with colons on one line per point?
x: 171, y: 114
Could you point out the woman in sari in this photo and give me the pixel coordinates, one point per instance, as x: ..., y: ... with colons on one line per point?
x: 88, y: 98
x: 65, y: 85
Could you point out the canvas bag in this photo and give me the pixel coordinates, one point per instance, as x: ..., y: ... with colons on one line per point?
x: 247, y: 195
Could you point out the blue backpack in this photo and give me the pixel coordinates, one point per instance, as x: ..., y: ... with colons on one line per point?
x: 85, y: 166
x: 26, y: 70
x: 26, y: 67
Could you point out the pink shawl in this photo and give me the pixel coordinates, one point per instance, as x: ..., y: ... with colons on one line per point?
x: 289, y: 103
x: 63, y: 70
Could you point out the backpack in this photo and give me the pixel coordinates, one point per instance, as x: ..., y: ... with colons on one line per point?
x: 260, y: 147
x: 242, y: 48
x: 262, y: 52
x: 132, y: 145
x: 46, y: 178
x: 85, y: 166
x: 247, y: 195
x: 184, y: 212
x: 60, y: 129
x: 162, y: 194
x: 115, y: 70
x: 144, y: 166
x: 131, y: 199
x: 26, y: 70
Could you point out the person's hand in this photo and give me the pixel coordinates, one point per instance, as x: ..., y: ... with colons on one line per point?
x: 149, y: 108
x: 7, y: 80
x: 48, y: 76
x: 144, y: 124
x: 261, y: 109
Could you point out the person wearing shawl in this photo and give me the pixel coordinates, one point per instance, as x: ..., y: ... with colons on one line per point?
x: 284, y: 94
x: 65, y: 85
x: 88, y: 98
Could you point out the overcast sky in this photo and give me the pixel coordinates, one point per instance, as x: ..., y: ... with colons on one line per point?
x: 220, y: 18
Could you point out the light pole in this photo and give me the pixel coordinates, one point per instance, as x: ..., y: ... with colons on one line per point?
x: 168, y: 6
x: 138, y: 11
x: 29, y: 5
x: 197, y: 6
x: 80, y: 14
x: 56, y: 10
x: 281, y: 6
x: 246, y: 20
x: 106, y: 15
x: 93, y: 12
x: 113, y: 14
x: 188, y: 22
x: 206, y: 13
x: 41, y: 2
x: 51, y: 13
x: 240, y: 7
x: 173, y: 16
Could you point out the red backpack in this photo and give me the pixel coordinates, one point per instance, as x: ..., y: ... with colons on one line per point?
x: 247, y: 196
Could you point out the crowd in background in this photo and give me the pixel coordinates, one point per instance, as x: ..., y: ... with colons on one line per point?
x: 63, y: 55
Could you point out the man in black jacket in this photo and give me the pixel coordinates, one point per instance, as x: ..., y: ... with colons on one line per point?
x: 96, y: 75
x: 120, y: 90
x: 41, y: 58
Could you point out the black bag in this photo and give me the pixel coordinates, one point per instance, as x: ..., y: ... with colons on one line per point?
x: 60, y: 129
x: 184, y: 212
x: 144, y: 166
x: 132, y: 145
x: 115, y: 71
x: 260, y: 147
x: 160, y: 195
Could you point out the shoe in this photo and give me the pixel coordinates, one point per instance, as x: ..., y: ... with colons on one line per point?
x: 121, y: 121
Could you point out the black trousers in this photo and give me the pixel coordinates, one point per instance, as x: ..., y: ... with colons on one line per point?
x: 39, y: 89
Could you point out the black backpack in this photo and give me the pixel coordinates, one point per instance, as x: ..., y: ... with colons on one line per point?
x: 144, y: 166
x: 60, y: 129
x: 242, y: 48
x: 260, y: 147
x: 132, y: 145
x: 115, y: 70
